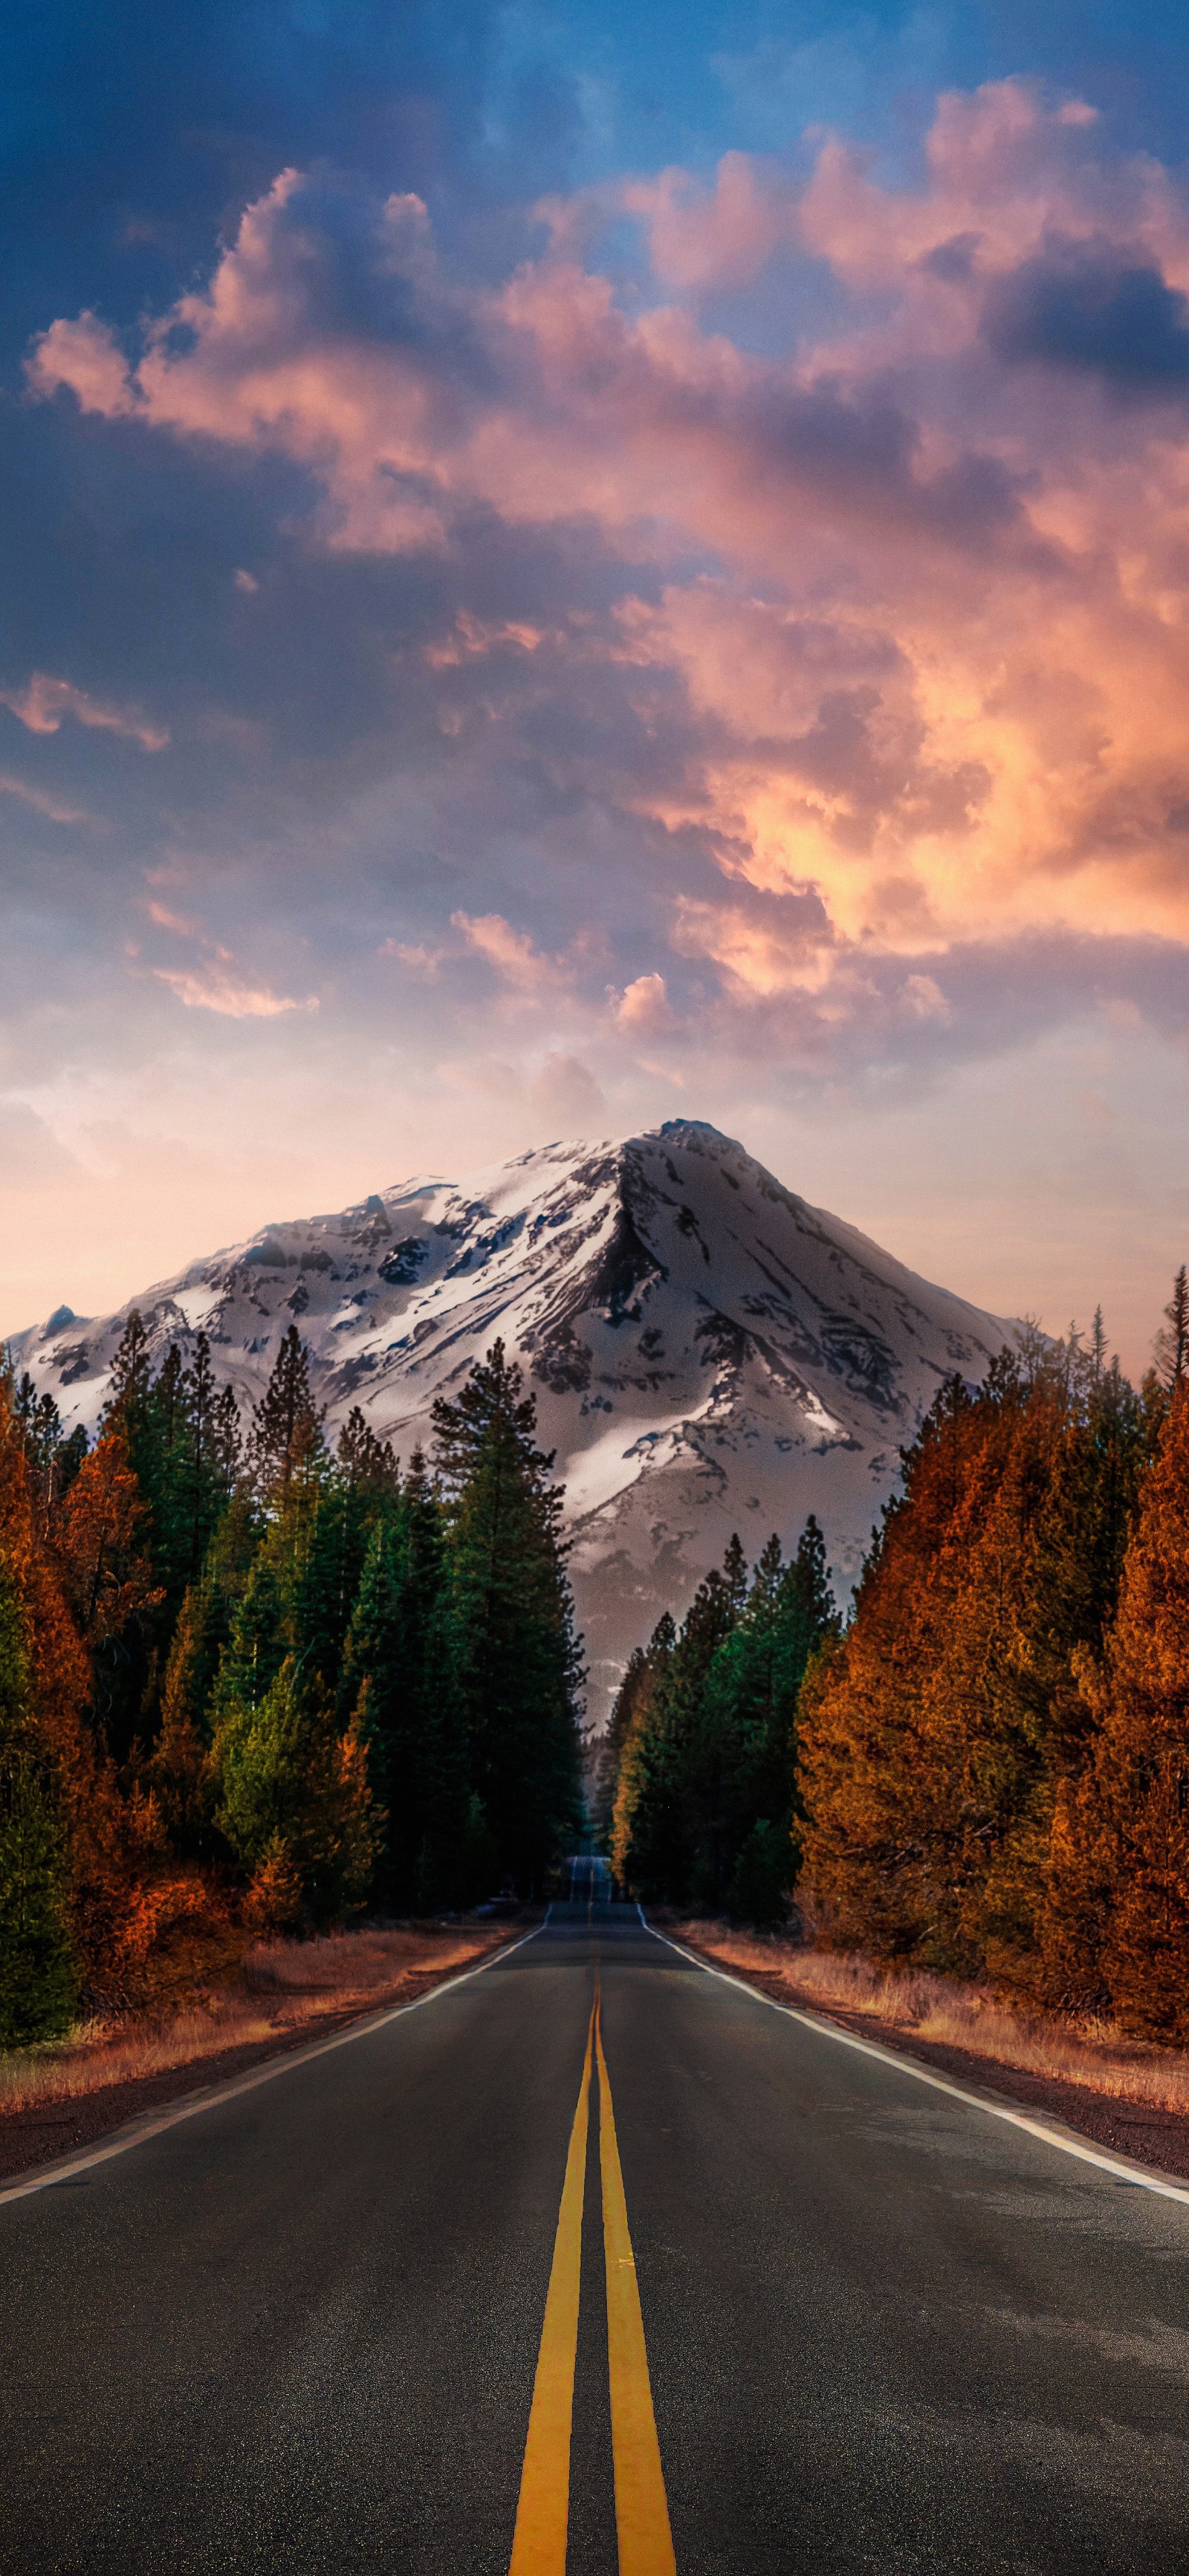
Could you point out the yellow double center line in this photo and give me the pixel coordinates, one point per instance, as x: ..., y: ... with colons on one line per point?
x: 641, y: 2507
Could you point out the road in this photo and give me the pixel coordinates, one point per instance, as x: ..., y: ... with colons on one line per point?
x: 301, y: 2331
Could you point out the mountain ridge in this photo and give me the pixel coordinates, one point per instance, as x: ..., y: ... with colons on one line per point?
x: 708, y: 1350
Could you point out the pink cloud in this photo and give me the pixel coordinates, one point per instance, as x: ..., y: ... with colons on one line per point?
x: 85, y: 356
x: 217, y: 988
x: 936, y: 671
x: 511, y: 952
x: 43, y: 703
x: 642, y: 1010
x: 710, y: 238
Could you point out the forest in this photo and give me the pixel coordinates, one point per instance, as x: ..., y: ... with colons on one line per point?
x: 250, y: 1681
x: 985, y: 1771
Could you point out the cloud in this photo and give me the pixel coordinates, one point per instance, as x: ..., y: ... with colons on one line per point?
x: 163, y: 919
x: 84, y: 355
x: 511, y: 952
x: 216, y: 984
x: 43, y: 703
x: 565, y: 1090
x: 1084, y: 307
x: 702, y: 238
x: 42, y: 802
x: 813, y: 654
x: 643, y: 1007
x: 415, y: 957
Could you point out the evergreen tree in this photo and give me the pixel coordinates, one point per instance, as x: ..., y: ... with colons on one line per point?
x: 294, y: 1793
x: 131, y: 1373
x: 54, y: 1458
x: 396, y: 1650
x: 170, y: 1428
x: 38, y: 1978
x: 512, y: 1659
x: 746, y: 1756
x: 660, y: 1856
x: 180, y: 1770
x: 286, y: 1424
x: 209, y: 1474
x: 304, y: 1576
x: 1171, y: 1347
x: 367, y: 1465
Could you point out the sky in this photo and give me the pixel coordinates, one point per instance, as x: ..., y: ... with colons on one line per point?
x: 568, y: 566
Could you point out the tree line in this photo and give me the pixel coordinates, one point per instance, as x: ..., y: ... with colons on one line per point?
x: 699, y: 1777
x: 986, y: 1770
x: 248, y: 1680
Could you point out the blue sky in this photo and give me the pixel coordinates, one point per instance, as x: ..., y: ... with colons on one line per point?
x: 574, y: 565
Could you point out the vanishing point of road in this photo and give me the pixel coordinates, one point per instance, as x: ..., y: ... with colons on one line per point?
x: 593, y: 2262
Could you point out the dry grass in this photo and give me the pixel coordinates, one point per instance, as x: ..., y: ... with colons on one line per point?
x: 1089, y: 2053
x: 282, y: 1987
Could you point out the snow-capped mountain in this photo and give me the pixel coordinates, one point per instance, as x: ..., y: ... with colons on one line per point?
x: 708, y: 1352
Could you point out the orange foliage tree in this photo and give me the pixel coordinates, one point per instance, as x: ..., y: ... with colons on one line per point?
x: 1118, y: 1917
x: 937, y: 1734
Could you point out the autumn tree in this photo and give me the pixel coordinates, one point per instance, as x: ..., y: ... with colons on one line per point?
x: 1118, y: 1922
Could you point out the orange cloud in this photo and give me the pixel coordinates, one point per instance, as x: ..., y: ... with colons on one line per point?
x: 937, y: 670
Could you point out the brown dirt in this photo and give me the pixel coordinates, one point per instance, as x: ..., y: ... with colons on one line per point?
x: 1137, y: 2129
x: 44, y: 2131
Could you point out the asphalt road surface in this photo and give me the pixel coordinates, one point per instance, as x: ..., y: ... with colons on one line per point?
x: 301, y: 2331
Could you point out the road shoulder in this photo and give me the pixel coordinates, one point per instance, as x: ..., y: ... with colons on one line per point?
x: 50, y: 2136
x: 1155, y: 2141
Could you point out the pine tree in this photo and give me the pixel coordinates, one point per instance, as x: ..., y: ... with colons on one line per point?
x: 664, y: 1854
x: 210, y: 1477
x: 228, y: 1439
x: 304, y: 1576
x: 396, y: 1647
x: 513, y: 1661
x: 179, y: 1771
x: 131, y: 1374
x: 294, y: 1792
x: 1171, y: 1346
x: 746, y: 1758
x: 286, y: 1424
x: 367, y: 1465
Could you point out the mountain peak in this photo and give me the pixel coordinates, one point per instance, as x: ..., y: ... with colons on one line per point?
x: 708, y: 1351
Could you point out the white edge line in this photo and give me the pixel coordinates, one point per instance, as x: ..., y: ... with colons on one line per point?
x: 44, y: 2179
x: 1140, y: 2175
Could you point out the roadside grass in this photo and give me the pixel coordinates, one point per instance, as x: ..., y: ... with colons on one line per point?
x: 1090, y: 2052
x: 280, y: 1987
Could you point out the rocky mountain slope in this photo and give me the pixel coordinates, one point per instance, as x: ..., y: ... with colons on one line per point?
x: 708, y: 1352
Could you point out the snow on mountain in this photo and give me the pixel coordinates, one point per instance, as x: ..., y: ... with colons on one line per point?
x: 708, y: 1352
